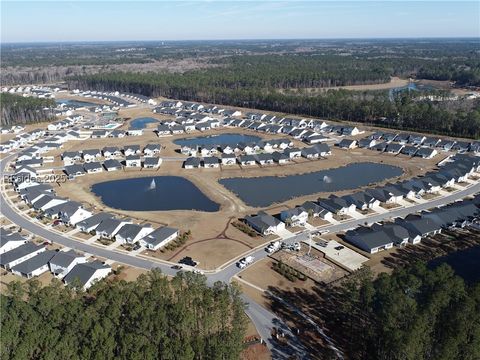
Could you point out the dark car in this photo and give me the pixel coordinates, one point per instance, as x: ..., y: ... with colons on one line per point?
x: 177, y: 267
x: 136, y: 246
x: 187, y: 260
x: 338, y: 247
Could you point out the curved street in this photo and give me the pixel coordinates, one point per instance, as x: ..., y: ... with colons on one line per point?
x: 263, y: 319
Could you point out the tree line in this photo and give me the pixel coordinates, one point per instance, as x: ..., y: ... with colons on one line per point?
x: 17, y: 109
x: 412, y: 314
x: 150, y: 318
x: 253, y: 85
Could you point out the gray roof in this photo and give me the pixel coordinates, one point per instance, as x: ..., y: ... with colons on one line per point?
x: 64, y: 258
x: 109, y: 149
x: 129, y: 231
x: 68, y: 208
x: 192, y: 161
x: 262, y: 221
x: 95, y: 220
x: 6, y: 236
x: 211, y: 160
x: 159, y: 235
x: 34, y: 263
x: 92, y: 166
x: 111, y: 163
x: 44, y: 200
x: 151, y: 147
x: 294, y: 212
x: 151, y: 160
x: 368, y: 239
x: 74, y: 169
x: 94, y: 152
x: 108, y: 226
x: 84, y: 272
x: 420, y: 226
x: 19, y: 252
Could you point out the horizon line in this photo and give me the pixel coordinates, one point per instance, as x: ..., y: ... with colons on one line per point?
x: 241, y: 39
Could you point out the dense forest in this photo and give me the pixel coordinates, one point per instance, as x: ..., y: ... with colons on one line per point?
x: 438, y: 59
x: 413, y: 314
x: 151, y: 318
x: 17, y: 109
x: 254, y: 84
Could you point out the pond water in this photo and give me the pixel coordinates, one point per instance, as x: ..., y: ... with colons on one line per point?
x: 157, y: 193
x: 465, y: 263
x: 267, y: 190
x: 141, y: 123
x: 410, y: 87
x: 75, y: 103
x: 222, y: 139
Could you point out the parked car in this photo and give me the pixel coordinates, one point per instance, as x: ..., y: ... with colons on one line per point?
x: 177, y: 267
x: 243, y: 263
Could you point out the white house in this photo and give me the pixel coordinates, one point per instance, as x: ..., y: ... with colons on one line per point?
x: 229, y: 159
x: 159, y: 238
x: 10, y: 240
x: 133, y: 161
x: 21, y: 253
x: 130, y: 233
x: 264, y: 223
x: 64, y: 261
x: 34, y: 266
x: 87, y: 274
x: 294, y: 217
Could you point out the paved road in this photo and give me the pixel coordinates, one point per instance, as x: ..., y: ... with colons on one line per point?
x: 263, y: 319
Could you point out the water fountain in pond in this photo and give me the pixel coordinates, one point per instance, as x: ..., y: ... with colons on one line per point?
x: 152, y: 185
x: 327, y: 179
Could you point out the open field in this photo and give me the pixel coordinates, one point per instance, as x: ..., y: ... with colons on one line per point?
x: 393, y: 83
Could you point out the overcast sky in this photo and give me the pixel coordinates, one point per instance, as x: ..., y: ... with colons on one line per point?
x: 82, y: 20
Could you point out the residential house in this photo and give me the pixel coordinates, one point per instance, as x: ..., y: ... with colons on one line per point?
x: 74, y: 170
x: 130, y: 150
x: 35, y: 265
x: 280, y: 158
x: 72, y: 213
x: 409, y: 150
x: 264, y: 223
x: 264, y: 159
x: 111, y: 152
x: 394, y: 148
x: 293, y: 153
x: 133, y: 161
x: 112, y: 165
x: 152, y: 162
x: 108, y: 228
x: 10, y: 240
x: 211, y: 162
x: 131, y: 233
x: 151, y: 150
x: 89, y: 224
x: 369, y: 240
x: 19, y: 254
x: 159, y: 238
x: 362, y: 200
x: 93, y: 167
x: 191, y: 163
x: 294, y: 217
x: 228, y: 159
x: 426, y: 153
x: 86, y: 274
x: 91, y: 155
x: 336, y: 205
x: 246, y: 160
